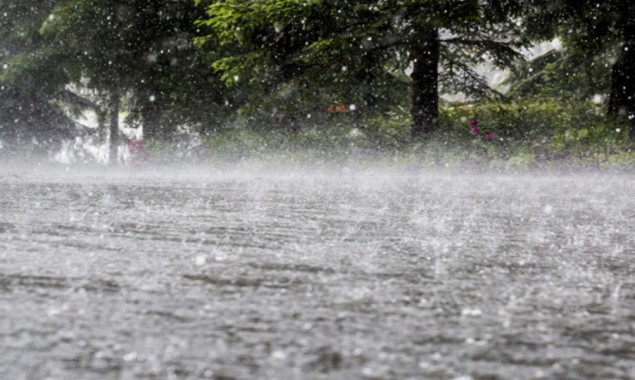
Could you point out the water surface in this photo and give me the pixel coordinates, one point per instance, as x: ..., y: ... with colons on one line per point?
x: 298, y: 274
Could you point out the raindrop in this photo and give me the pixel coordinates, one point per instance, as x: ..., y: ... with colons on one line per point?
x: 152, y: 98
x: 279, y: 355
x: 471, y: 312
x: 5, y: 66
x: 200, y: 260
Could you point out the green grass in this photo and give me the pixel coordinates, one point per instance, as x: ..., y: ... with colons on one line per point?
x: 528, y: 135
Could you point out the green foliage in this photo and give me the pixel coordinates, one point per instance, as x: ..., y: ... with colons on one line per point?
x: 142, y: 49
x: 258, y: 76
x: 29, y: 61
x: 528, y: 134
x: 531, y: 133
x: 593, y: 29
x: 589, y: 26
x: 359, y: 51
x: 561, y: 74
x: 548, y: 129
x: 594, y: 36
x: 30, y: 125
x: 309, y: 145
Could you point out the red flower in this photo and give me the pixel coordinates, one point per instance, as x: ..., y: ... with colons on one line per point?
x: 475, y: 131
x: 489, y: 136
x: 337, y: 108
x: 135, y: 145
x: 473, y: 122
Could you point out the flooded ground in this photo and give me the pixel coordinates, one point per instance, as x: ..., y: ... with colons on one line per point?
x: 316, y: 275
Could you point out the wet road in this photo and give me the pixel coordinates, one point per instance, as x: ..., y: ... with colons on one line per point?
x: 298, y: 275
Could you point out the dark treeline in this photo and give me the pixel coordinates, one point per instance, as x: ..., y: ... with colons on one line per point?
x: 273, y: 63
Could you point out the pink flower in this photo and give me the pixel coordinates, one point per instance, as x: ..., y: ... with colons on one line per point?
x: 489, y: 136
x: 473, y: 122
x: 135, y: 145
x: 475, y: 131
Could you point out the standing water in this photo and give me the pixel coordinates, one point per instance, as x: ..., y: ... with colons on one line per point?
x: 355, y: 275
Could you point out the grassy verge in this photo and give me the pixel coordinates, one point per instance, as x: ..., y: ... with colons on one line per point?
x: 523, y: 135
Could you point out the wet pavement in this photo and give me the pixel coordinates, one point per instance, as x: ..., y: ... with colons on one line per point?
x: 297, y: 274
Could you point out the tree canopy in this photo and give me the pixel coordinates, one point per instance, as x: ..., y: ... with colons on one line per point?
x: 28, y: 79
x: 342, y: 45
x: 139, y: 50
x: 204, y: 63
x: 594, y: 33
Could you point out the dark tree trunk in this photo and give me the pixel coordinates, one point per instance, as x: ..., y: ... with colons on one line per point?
x: 622, y: 97
x: 102, y: 131
x: 114, y: 129
x: 425, y: 79
x: 150, y: 115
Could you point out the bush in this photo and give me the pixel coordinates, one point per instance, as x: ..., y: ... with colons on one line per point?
x: 335, y: 141
x: 548, y: 130
x: 526, y: 134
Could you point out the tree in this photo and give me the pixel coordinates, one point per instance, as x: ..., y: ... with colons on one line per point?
x: 136, y: 55
x: 437, y: 42
x: 29, y: 121
x: 29, y: 124
x: 593, y: 29
x: 560, y: 73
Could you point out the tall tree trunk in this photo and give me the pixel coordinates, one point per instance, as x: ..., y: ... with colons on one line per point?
x: 114, y: 129
x: 425, y: 81
x: 622, y: 97
x: 102, y: 131
x: 151, y: 128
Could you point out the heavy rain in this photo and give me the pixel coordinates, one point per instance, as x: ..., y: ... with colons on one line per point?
x: 317, y: 189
